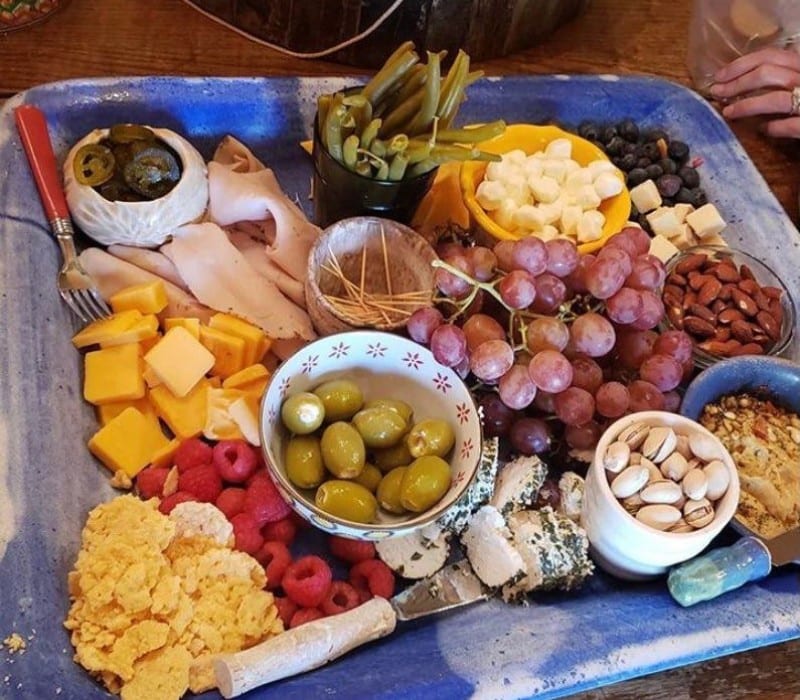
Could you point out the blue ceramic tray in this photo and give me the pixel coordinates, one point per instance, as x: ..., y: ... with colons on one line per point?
x: 48, y: 481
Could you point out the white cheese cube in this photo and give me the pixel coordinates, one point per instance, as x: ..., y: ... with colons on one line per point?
x: 681, y: 209
x: 663, y: 222
x: 544, y: 189
x: 528, y: 217
x: 490, y: 194
x: 706, y: 221
x: 607, y: 185
x: 570, y: 216
x: 715, y: 239
x: 590, y: 226
x: 555, y: 168
x: 685, y: 238
x: 587, y: 198
x: 504, y: 214
x: 662, y: 248
x: 632, y: 223
x: 646, y: 197
x: 598, y: 167
x: 559, y: 148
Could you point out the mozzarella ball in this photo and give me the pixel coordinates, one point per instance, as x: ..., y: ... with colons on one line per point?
x: 559, y: 148
x: 607, y: 185
x: 528, y: 217
x: 544, y: 189
x: 586, y: 197
x: 590, y: 226
x: 490, y: 194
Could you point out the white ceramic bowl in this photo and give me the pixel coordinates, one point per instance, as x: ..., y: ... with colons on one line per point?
x: 384, y: 366
x: 627, y: 548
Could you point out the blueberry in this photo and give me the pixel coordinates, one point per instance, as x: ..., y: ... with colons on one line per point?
x: 699, y: 197
x: 678, y: 151
x: 669, y: 166
x: 589, y: 130
x: 631, y: 148
x: 628, y: 130
x: 667, y: 202
x: 643, y: 163
x: 668, y: 185
x: 607, y: 133
x: 654, y: 172
x: 636, y: 177
x: 684, y: 196
x: 690, y: 176
x: 656, y: 134
x: 615, y: 145
x: 627, y: 162
x: 650, y: 150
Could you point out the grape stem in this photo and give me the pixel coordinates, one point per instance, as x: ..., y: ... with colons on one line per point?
x: 486, y: 286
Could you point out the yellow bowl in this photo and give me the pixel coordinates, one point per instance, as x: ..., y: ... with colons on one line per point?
x: 532, y: 138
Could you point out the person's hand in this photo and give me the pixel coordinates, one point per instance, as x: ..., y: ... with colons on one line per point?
x: 750, y: 79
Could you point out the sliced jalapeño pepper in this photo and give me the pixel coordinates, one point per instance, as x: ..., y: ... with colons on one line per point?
x: 93, y: 164
x: 126, y: 133
x: 152, y: 172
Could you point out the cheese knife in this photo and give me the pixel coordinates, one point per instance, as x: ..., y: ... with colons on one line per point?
x: 315, y: 643
x: 725, y: 569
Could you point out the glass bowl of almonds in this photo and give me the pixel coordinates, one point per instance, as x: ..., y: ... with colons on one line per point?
x: 729, y: 302
x: 659, y: 489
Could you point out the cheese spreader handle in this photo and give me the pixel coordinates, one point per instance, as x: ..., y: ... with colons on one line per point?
x: 303, y: 648
x: 719, y: 571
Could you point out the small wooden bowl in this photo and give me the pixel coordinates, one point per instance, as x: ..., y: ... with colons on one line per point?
x: 380, y: 256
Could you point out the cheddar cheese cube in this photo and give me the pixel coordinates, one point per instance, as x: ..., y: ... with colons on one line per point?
x: 128, y: 442
x: 146, y: 343
x: 150, y: 377
x: 113, y: 374
x: 105, y: 328
x: 165, y: 457
x: 190, y: 324
x: 108, y: 411
x: 252, y: 379
x: 228, y: 349
x: 179, y: 360
x: 185, y: 416
x: 148, y: 298
x: 146, y: 328
x: 257, y: 343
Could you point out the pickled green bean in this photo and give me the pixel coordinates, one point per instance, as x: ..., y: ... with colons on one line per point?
x: 370, y: 132
x: 397, y: 168
x: 323, y: 105
x: 378, y: 148
x: 397, y: 144
x: 451, y: 101
x: 430, y: 101
x: 417, y: 151
x: 336, y: 102
x: 382, y: 173
x: 403, y: 114
x: 350, y: 151
x: 443, y: 153
x: 392, y: 73
x: 333, y: 131
x: 474, y: 134
x: 421, y: 168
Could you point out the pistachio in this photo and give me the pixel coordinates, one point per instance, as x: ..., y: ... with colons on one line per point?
x: 635, y: 458
x: 632, y: 503
x: 695, y: 484
x: 704, y: 446
x: 698, y: 513
x: 682, y: 446
x: 675, y: 466
x: 634, y: 435
x: 658, y: 516
x: 617, y: 457
x: 718, y: 479
x: 629, y: 481
x: 659, y: 444
x: 662, y: 491
x: 681, y: 526
x: 654, y: 471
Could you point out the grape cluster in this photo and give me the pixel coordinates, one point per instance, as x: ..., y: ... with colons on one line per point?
x: 560, y: 343
x: 649, y: 155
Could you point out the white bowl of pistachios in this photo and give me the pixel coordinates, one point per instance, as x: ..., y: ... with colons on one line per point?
x: 659, y: 489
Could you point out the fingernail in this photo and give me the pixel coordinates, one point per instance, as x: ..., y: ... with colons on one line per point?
x: 715, y: 90
x: 727, y: 111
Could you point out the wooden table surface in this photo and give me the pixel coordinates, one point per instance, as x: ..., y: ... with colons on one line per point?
x: 167, y: 37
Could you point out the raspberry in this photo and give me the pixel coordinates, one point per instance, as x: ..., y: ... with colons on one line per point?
x: 203, y: 482
x: 341, y: 597
x: 283, y: 530
x: 245, y: 531
x: 264, y: 501
x: 169, y: 502
x: 230, y: 501
x: 286, y: 608
x: 306, y: 581
x: 150, y: 482
x: 192, y: 453
x: 275, y: 558
x: 304, y: 615
x: 235, y: 460
x: 373, y: 575
x: 351, y: 551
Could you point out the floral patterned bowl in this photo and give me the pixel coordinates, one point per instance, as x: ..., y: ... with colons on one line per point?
x: 384, y: 366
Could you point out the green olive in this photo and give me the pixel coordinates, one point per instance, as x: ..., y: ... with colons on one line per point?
x: 341, y: 397
x: 343, y: 451
x: 430, y: 437
x: 380, y: 427
x: 390, y: 457
x: 302, y: 413
x: 347, y: 500
x: 304, y: 462
x: 396, y: 405
x: 369, y: 477
x: 424, y: 483
x: 389, y: 491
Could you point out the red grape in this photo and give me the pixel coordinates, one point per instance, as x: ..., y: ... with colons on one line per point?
x: 675, y: 343
x: 663, y: 371
x: 604, y: 277
x: 479, y: 328
x: 652, y: 311
x: 544, y: 401
x: 639, y: 237
x: 497, y: 417
x: 422, y: 323
x: 449, y: 345
x: 574, y: 406
x: 612, y: 399
x: 517, y: 289
x: 550, y: 371
x: 644, y: 397
x: 647, y: 273
x: 633, y: 346
x: 451, y: 285
x: 516, y: 388
x: 530, y: 254
x: 546, y: 333
x: 592, y: 334
x: 504, y: 252
x: 576, y: 280
x: 483, y: 261
x: 618, y: 255
x: 583, y: 437
x: 550, y: 293
x: 625, y: 306
x: 586, y: 373
x: 491, y: 360
x: 530, y: 436
x: 625, y: 242
x: 562, y: 256
x: 672, y: 401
